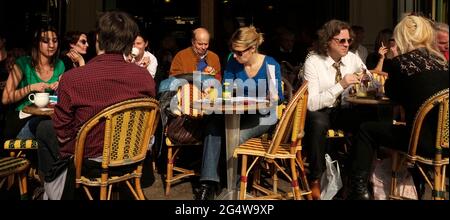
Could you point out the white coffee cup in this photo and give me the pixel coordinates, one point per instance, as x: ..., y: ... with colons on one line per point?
x: 40, y: 99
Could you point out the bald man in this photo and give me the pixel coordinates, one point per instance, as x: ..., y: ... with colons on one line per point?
x: 197, y: 57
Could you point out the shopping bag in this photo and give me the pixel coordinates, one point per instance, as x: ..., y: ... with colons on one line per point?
x: 382, y: 177
x: 331, y: 181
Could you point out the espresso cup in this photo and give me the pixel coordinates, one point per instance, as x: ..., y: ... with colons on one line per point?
x: 39, y: 99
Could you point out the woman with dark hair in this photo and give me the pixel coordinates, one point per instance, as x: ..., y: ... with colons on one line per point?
x: 385, y: 48
x: 141, y: 57
x: 74, y: 48
x: 39, y: 72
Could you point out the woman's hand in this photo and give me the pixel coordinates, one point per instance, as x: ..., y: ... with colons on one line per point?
x: 39, y: 87
x: 54, y: 86
x: 382, y: 51
x: 145, y: 62
x: 75, y: 57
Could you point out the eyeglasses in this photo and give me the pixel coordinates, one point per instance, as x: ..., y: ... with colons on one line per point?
x: 343, y: 40
x: 83, y: 41
x: 391, y: 40
x: 240, y: 53
x: 47, y: 40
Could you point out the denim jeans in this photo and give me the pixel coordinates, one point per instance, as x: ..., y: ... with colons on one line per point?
x: 251, y: 127
x: 213, y: 141
x: 211, y: 148
x: 25, y: 132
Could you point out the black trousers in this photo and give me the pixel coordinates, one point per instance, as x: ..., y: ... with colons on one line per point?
x: 317, y: 125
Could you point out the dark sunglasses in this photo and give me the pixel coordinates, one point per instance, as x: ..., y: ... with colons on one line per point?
x: 343, y: 40
x: 391, y: 40
x: 240, y: 53
x: 83, y: 41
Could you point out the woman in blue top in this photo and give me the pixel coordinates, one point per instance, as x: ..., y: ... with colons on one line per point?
x: 257, y: 72
x: 250, y: 68
x: 39, y: 72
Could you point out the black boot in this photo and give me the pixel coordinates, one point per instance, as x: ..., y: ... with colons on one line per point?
x: 207, y: 191
x: 358, y: 184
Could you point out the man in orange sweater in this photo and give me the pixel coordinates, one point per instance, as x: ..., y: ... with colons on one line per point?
x: 197, y: 57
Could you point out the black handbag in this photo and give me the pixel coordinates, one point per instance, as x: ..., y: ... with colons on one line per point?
x: 184, y: 129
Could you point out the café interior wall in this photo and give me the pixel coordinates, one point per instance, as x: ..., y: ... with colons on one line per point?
x: 373, y: 16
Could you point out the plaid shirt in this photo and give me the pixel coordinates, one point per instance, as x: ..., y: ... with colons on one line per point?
x: 84, y: 91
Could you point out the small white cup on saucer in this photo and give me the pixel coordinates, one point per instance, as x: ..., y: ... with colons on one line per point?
x: 40, y: 99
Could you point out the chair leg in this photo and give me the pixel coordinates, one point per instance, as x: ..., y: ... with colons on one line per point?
x: 395, y: 167
x: 103, y: 189
x: 297, y: 195
x: 243, y: 178
x: 302, y: 175
x: 169, y: 173
x: 22, y: 180
x: 137, y: 183
x: 274, y: 179
x: 438, y: 192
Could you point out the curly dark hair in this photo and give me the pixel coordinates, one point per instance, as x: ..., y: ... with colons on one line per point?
x: 327, y: 32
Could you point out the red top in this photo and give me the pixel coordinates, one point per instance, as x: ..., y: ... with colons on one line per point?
x: 84, y: 91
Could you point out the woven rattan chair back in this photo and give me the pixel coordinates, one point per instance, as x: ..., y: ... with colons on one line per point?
x: 439, y: 100
x: 438, y: 162
x: 290, y: 128
x: 129, y: 125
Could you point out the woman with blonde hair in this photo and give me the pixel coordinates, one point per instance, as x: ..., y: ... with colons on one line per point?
x: 245, y: 69
x: 249, y: 66
x: 416, y: 74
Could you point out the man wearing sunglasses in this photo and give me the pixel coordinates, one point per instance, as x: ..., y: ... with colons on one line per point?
x: 329, y: 70
x: 197, y: 57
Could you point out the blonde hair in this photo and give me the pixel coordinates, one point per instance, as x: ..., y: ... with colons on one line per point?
x: 246, y: 36
x: 413, y: 32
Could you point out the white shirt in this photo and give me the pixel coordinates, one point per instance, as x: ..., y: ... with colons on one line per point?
x: 151, y: 68
x: 320, y: 73
x: 153, y: 63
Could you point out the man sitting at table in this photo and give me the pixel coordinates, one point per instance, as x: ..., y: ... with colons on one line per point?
x: 199, y: 58
x: 329, y: 71
x: 83, y: 92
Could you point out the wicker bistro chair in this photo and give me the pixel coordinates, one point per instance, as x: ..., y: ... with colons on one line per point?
x: 19, y: 148
x: 12, y: 167
x: 285, y: 145
x: 439, y: 161
x: 129, y: 125
x: 186, y: 95
x: 18, y: 145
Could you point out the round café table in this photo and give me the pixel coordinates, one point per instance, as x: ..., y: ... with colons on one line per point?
x: 367, y: 100
x: 383, y: 105
x: 232, y: 110
x: 34, y: 110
